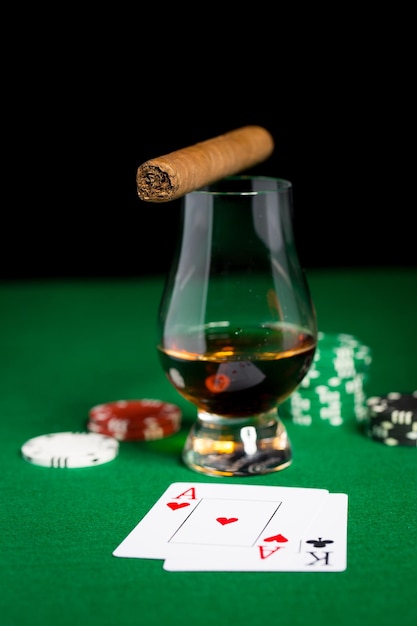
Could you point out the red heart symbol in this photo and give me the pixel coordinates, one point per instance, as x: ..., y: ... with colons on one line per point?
x: 276, y: 538
x: 177, y: 505
x: 226, y: 520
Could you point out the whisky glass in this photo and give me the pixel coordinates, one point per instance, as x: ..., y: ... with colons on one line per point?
x: 237, y: 325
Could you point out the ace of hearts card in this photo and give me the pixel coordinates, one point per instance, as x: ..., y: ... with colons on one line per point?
x: 228, y: 527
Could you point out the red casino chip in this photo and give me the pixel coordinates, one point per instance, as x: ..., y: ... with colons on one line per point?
x: 129, y: 420
x: 120, y: 430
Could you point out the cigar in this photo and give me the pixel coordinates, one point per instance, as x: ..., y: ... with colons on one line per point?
x: 173, y: 175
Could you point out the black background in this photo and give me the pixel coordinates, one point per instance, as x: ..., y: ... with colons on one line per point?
x: 88, y: 107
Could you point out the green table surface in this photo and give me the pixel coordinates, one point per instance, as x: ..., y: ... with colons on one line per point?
x: 68, y: 345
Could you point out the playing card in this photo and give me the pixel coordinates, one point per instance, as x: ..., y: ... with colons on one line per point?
x: 322, y: 547
x: 189, y: 515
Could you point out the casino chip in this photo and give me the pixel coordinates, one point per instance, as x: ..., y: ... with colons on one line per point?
x: 133, y: 420
x: 392, y: 419
x: 70, y: 450
x: 334, y: 389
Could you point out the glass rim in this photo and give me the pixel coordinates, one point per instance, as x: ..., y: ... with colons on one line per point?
x: 214, y: 189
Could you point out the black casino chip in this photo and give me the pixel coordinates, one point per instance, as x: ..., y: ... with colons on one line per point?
x: 392, y: 419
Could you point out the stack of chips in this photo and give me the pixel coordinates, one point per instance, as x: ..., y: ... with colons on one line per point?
x: 133, y: 420
x: 70, y: 449
x: 393, y: 419
x: 334, y: 389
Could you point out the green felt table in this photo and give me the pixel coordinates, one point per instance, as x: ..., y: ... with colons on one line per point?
x: 68, y: 345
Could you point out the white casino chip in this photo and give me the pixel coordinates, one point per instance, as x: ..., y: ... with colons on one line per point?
x: 70, y: 450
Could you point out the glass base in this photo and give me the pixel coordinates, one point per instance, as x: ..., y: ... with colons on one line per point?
x: 219, y: 446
